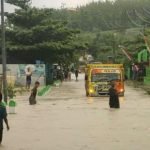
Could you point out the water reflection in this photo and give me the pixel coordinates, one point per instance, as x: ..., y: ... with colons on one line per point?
x: 90, y: 100
x: 122, y: 99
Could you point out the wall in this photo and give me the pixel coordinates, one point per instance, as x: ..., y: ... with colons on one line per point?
x: 16, y: 73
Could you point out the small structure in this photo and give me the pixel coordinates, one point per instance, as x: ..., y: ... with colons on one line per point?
x: 12, y: 106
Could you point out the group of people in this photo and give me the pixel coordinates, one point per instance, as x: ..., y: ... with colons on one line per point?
x: 61, y: 75
x: 58, y: 74
x: 113, y: 103
x: 64, y: 74
x: 3, y: 112
x: 68, y: 74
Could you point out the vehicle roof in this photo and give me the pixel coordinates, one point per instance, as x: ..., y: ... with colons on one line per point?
x: 104, y: 65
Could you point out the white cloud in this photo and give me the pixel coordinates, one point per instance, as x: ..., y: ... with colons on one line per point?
x: 58, y: 3
x: 9, y: 8
x: 52, y: 4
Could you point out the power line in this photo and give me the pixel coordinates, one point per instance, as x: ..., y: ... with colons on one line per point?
x: 132, y: 21
x: 148, y: 12
x: 141, y: 17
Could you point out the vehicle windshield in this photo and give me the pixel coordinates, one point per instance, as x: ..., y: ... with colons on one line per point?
x: 99, y: 77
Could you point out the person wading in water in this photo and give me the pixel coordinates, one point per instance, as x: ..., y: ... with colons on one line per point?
x: 113, y: 97
x: 32, y: 98
x: 3, y: 117
x: 76, y: 74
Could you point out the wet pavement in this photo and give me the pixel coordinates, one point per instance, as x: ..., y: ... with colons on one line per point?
x: 67, y: 120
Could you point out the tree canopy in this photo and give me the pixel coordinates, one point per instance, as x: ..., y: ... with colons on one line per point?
x: 32, y: 35
x: 108, y: 15
x: 54, y: 34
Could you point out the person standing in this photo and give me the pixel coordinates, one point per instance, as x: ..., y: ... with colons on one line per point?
x: 3, y: 117
x: 135, y: 70
x: 66, y: 74
x: 69, y: 75
x: 113, y: 97
x: 32, y: 98
x: 76, y: 74
x: 28, y: 78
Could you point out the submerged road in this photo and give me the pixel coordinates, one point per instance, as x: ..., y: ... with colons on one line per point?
x: 67, y: 120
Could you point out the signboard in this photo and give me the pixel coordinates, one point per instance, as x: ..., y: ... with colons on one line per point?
x: 113, y: 66
x: 97, y: 71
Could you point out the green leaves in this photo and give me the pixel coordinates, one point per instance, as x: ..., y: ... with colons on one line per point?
x: 33, y: 33
x: 107, y: 15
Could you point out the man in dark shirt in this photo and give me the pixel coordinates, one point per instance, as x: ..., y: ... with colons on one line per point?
x: 3, y: 116
x: 32, y: 98
x: 76, y: 74
x: 113, y: 97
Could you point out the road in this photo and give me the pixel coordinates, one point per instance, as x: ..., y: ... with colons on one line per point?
x: 67, y: 120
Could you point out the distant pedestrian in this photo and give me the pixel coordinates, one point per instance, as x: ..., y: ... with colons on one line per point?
x: 69, y: 75
x: 135, y: 70
x: 76, y: 74
x: 32, y: 98
x: 141, y: 72
x: 60, y: 75
x: 3, y: 117
x: 66, y: 74
x: 28, y: 78
x: 113, y: 97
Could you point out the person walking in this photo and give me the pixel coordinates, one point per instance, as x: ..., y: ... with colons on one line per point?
x: 135, y: 70
x: 28, y: 78
x: 32, y: 98
x: 66, y: 74
x: 3, y: 117
x: 76, y: 74
x: 113, y: 97
x: 69, y: 75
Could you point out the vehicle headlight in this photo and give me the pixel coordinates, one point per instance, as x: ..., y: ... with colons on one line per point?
x: 91, y: 90
x: 121, y: 90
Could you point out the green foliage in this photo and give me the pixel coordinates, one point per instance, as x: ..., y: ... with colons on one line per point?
x: 53, y: 35
x: 103, y: 45
x: 33, y: 33
x: 122, y: 20
x: 108, y: 15
x: 108, y: 44
x: 11, y: 91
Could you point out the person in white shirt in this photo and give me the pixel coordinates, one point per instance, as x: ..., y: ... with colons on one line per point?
x: 28, y: 78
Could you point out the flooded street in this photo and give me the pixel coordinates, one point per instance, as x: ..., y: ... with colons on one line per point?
x: 66, y: 119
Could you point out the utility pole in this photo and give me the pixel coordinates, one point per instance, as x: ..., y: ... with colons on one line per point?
x: 114, y: 47
x: 3, y: 52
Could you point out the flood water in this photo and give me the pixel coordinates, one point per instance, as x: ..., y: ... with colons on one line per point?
x: 66, y: 119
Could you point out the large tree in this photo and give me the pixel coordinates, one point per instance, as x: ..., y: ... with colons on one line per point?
x: 110, y: 43
x: 32, y: 34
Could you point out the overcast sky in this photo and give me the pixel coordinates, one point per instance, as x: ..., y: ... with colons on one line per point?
x: 54, y: 3
x: 58, y: 3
